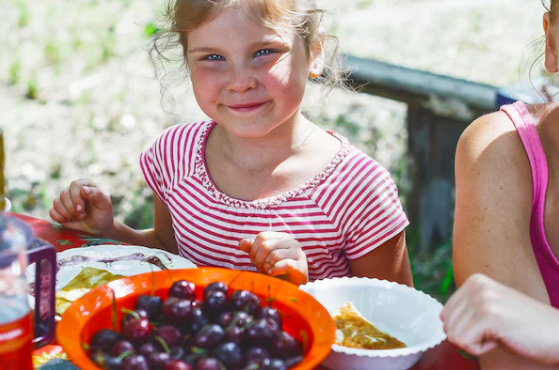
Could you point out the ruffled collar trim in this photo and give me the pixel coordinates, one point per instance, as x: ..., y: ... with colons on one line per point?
x: 201, y: 171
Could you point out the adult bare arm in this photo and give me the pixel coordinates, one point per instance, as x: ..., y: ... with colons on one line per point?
x: 492, y: 218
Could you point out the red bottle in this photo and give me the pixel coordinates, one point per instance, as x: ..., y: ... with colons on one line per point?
x: 18, y: 335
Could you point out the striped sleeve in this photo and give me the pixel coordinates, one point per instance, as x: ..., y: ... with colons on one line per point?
x: 376, y: 212
x: 168, y: 158
x: 153, y: 168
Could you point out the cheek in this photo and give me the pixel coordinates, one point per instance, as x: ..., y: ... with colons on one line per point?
x: 288, y: 77
x: 204, y: 83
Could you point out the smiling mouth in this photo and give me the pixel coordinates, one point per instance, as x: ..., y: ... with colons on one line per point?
x: 246, y: 108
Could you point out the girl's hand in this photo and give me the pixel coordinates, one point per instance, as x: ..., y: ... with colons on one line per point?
x: 83, y: 206
x: 484, y: 314
x: 277, y: 254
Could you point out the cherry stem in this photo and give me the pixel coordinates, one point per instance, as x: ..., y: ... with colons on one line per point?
x: 305, y: 338
x: 235, y: 278
x: 115, y: 312
x: 130, y: 312
x: 221, y: 366
x: 198, y: 350
x: 152, y: 281
x: 163, y: 344
x: 125, y: 354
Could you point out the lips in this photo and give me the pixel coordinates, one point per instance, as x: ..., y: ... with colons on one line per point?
x: 246, y: 107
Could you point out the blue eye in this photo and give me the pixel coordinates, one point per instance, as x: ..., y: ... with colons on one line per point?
x: 214, y: 57
x: 263, y: 52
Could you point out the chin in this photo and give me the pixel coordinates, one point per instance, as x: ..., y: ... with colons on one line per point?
x: 248, y: 129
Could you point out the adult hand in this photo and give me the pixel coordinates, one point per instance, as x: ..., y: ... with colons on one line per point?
x: 83, y: 206
x: 484, y: 314
x: 277, y: 254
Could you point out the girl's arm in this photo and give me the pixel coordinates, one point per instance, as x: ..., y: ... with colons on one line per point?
x: 492, y: 218
x: 388, y: 261
x: 162, y: 236
x: 84, y: 206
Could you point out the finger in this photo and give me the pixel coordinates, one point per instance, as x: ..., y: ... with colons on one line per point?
x: 255, y: 246
x: 456, y: 311
x: 82, y: 182
x: 97, y: 198
x: 56, y: 216
x: 477, y: 330
x: 478, y: 348
x: 264, y: 251
x: 283, y: 267
x: 277, y: 255
x: 292, y: 270
x: 487, y: 346
x: 459, y: 326
x: 245, y: 245
x: 68, y: 203
x: 452, y: 303
x: 77, y: 199
x: 61, y: 209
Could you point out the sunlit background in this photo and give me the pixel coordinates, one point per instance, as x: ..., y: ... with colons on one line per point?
x: 78, y: 97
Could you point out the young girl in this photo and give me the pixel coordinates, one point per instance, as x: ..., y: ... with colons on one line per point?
x: 507, y: 192
x: 258, y: 186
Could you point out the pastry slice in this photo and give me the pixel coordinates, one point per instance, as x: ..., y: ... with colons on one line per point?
x: 355, y: 331
x: 86, y: 280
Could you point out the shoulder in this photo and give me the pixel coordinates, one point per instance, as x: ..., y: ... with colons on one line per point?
x: 183, y: 131
x: 491, y: 149
x: 486, y: 131
x: 364, y: 171
x: 365, y: 187
x: 178, y: 139
x: 493, y: 203
x: 174, y: 147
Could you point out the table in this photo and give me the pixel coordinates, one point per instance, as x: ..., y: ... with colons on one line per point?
x: 443, y: 357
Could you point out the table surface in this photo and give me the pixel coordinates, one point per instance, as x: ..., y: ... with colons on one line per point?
x: 443, y: 357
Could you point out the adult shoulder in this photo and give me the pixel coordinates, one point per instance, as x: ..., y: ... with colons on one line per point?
x: 490, y: 151
x: 493, y: 205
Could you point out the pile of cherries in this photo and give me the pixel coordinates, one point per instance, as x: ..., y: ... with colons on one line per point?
x: 220, y: 332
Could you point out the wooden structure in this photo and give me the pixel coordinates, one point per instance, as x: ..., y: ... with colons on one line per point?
x: 439, y: 109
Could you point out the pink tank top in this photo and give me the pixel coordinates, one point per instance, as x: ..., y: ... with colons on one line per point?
x: 548, y: 263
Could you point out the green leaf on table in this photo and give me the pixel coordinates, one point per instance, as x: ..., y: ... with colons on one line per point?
x: 466, y: 355
x: 64, y: 242
x: 94, y: 240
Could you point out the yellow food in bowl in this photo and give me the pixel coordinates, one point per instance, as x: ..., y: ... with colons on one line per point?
x: 354, y: 331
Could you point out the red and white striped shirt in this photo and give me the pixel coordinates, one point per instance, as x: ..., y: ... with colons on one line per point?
x: 343, y: 213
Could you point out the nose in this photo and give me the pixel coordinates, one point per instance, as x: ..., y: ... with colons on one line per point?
x: 241, y: 79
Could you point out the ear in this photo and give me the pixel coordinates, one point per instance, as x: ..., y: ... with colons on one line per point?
x: 550, y: 45
x: 316, y: 65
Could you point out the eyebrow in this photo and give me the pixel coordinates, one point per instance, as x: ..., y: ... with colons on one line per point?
x: 253, y: 46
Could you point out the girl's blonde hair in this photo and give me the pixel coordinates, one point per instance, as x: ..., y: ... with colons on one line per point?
x: 550, y: 6
x: 303, y: 17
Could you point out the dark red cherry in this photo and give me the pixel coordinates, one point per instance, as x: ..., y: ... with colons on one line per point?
x: 183, y: 289
x: 136, y: 331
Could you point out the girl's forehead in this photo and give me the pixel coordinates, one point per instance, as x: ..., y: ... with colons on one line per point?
x: 233, y: 25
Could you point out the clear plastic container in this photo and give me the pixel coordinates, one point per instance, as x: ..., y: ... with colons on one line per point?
x: 18, y: 335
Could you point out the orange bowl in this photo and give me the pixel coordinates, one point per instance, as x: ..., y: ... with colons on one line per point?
x: 305, y: 319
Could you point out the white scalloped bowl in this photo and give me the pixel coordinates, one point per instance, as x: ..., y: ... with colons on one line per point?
x: 403, y: 312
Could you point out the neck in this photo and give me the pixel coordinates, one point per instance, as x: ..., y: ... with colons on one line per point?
x: 267, y: 152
